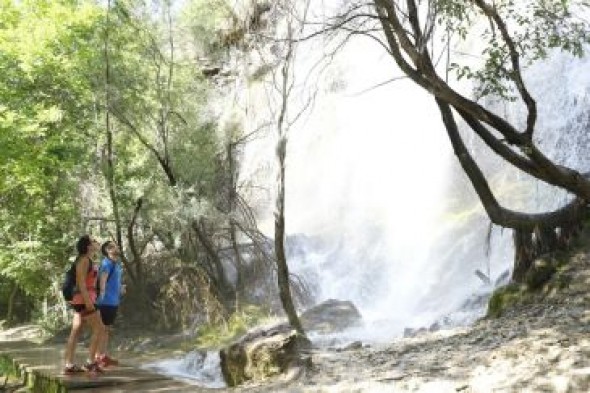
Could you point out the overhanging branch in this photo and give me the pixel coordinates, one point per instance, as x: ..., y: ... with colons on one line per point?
x: 498, y: 214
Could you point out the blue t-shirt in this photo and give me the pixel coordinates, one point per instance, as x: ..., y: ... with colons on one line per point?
x: 112, y: 293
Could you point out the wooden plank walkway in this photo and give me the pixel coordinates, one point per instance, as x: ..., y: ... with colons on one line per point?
x: 40, y: 368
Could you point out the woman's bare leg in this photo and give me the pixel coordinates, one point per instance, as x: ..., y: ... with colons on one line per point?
x: 97, y: 333
x: 73, y: 339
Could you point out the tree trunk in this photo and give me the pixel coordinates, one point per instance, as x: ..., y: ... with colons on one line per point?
x: 10, y: 304
x: 232, y: 197
x: 135, y: 252
x: 282, y: 127
x: 143, y: 306
x: 223, y: 285
x: 406, y: 42
x: 545, y: 240
x: 282, y: 267
x: 407, y: 39
x: 110, y: 165
x: 239, y: 263
x: 523, y: 254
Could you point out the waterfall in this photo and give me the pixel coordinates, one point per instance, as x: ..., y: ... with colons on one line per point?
x: 377, y: 205
x: 378, y: 210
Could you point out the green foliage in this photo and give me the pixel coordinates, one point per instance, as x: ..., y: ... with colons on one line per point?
x: 54, y: 99
x: 45, y: 115
x: 218, y: 335
x: 55, y: 319
x: 536, y: 27
x: 6, y: 366
x: 211, y: 23
x: 547, y: 276
x: 157, y: 102
x: 503, y: 298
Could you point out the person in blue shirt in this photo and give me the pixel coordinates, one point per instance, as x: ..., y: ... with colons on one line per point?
x: 111, y: 288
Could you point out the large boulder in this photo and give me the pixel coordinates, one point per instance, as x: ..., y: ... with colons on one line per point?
x: 331, y: 316
x: 264, y: 353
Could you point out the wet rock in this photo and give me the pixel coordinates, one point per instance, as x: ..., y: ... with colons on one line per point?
x: 414, y: 332
x: 331, y: 316
x: 544, y: 334
x: 211, y: 71
x: 264, y: 353
x: 352, y: 346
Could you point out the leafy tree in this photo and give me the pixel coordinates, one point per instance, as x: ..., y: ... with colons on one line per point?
x: 102, y: 126
x: 212, y: 24
x: 46, y: 122
x: 162, y: 163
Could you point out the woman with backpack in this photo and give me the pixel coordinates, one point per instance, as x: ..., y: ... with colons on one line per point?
x: 83, y: 303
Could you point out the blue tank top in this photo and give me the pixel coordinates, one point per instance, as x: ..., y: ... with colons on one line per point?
x: 112, y: 293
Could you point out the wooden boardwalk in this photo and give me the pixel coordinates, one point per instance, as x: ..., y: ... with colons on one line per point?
x: 40, y: 369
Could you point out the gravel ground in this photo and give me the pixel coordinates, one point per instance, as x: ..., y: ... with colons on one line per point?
x: 543, y: 346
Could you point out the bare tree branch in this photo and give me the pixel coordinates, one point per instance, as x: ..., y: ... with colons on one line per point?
x: 162, y: 160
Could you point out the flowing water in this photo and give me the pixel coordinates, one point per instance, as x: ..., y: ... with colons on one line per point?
x: 200, y: 368
x: 377, y: 205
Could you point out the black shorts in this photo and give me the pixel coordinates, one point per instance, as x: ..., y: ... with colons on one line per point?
x: 108, y: 314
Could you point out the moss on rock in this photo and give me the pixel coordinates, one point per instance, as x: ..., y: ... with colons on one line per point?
x: 31, y: 380
x: 504, y: 297
x: 547, y: 276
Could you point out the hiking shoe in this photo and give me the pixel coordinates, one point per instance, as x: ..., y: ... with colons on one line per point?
x: 106, y: 361
x: 93, y: 368
x: 73, y: 369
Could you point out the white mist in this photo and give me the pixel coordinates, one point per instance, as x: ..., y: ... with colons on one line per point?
x: 371, y: 178
x: 367, y: 178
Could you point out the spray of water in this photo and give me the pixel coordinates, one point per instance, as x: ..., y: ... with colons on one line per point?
x: 367, y: 195
x: 392, y: 223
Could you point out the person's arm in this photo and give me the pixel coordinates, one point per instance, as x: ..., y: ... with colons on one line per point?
x: 123, y: 286
x: 102, y: 283
x: 81, y: 273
